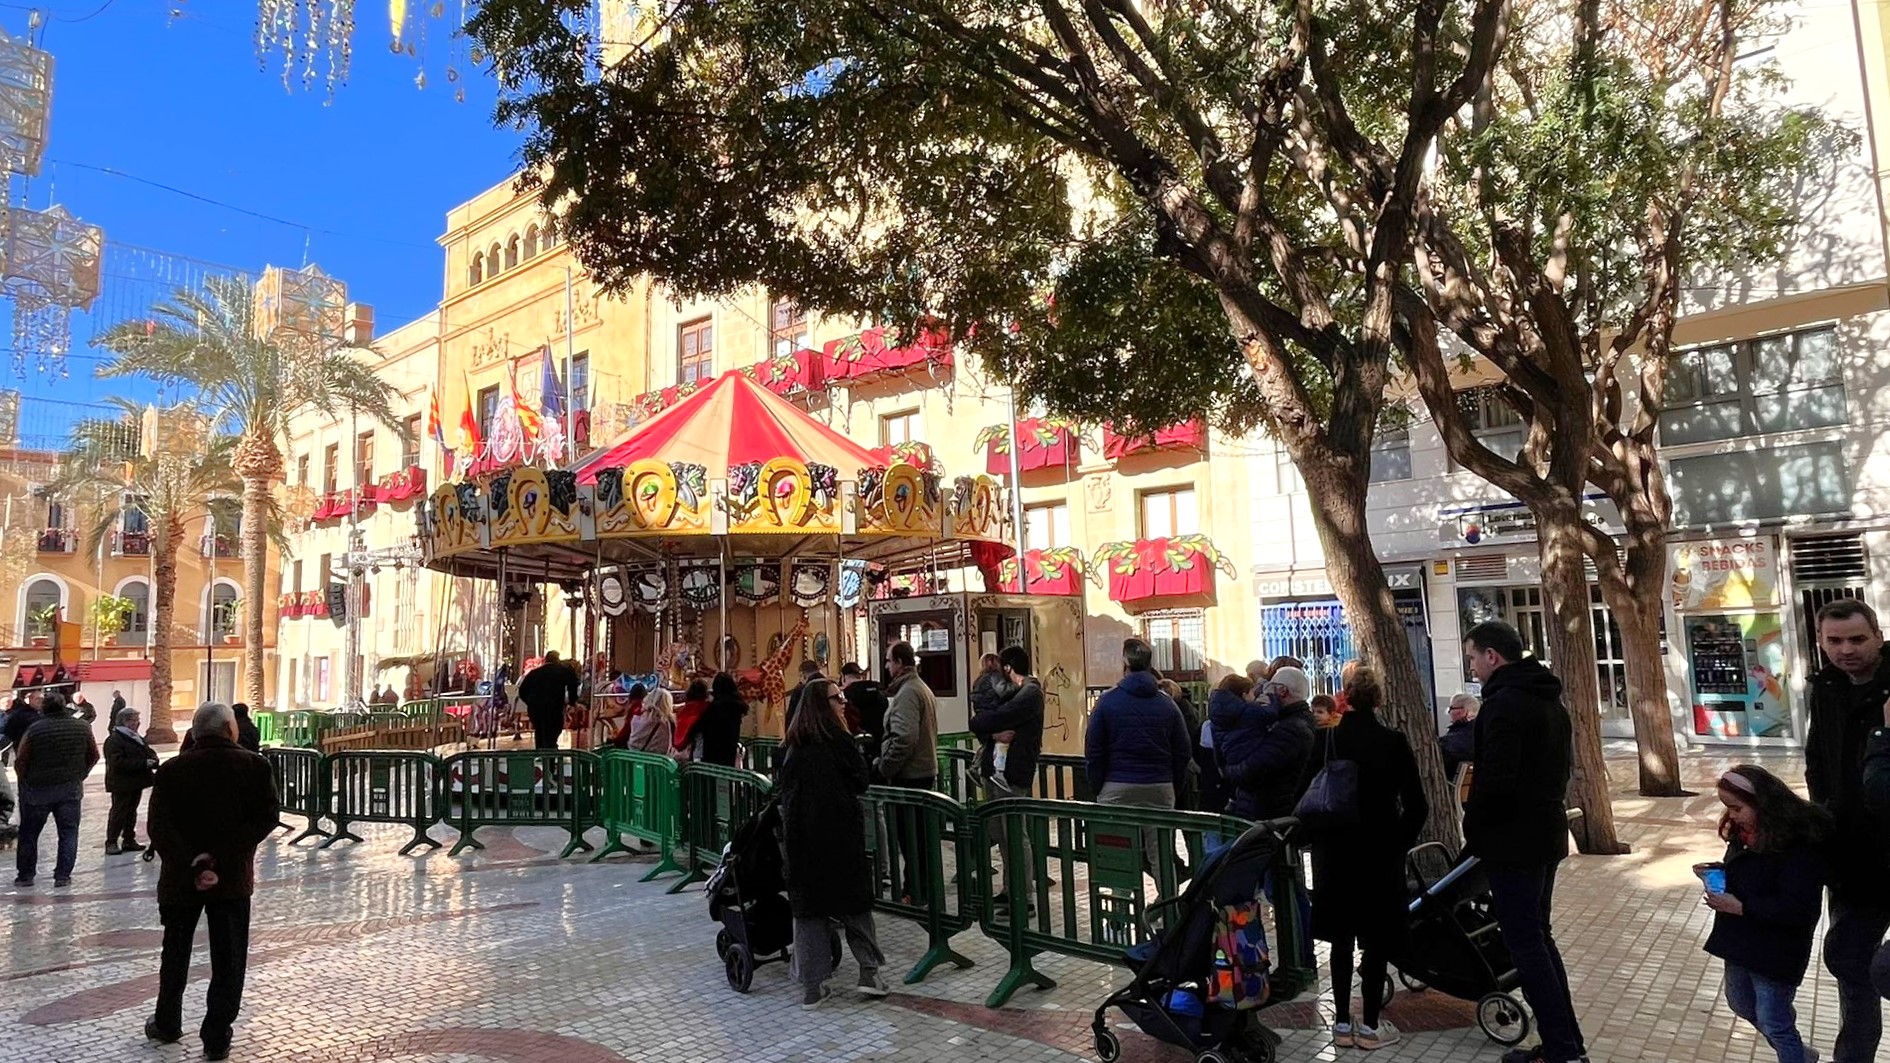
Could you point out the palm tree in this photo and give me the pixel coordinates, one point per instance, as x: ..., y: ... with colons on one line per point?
x: 210, y: 341
x: 162, y: 466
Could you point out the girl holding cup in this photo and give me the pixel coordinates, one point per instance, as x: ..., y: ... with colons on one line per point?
x: 1766, y: 895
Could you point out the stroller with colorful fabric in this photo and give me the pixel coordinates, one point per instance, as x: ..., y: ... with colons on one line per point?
x: 1206, y: 971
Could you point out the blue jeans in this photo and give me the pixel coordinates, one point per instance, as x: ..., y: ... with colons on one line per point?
x: 1850, y: 943
x: 1767, y: 1005
x: 65, y: 817
x: 1523, y: 898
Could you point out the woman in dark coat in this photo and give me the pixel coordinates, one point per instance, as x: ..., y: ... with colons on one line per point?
x: 718, y: 734
x: 1358, y: 870
x: 829, y: 876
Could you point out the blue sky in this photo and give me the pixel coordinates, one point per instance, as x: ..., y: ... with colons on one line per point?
x: 178, y: 99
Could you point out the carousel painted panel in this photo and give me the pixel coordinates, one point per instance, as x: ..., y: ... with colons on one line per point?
x: 651, y: 497
x: 900, y: 499
x: 458, y: 520
x: 783, y: 495
x: 530, y: 505
x: 978, y: 509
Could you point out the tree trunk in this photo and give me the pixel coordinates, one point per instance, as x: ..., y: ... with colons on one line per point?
x: 255, y: 566
x: 1338, y: 510
x: 1637, y: 602
x: 164, y: 543
x: 1572, y: 646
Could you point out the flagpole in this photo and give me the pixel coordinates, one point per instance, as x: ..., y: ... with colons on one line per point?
x: 570, y: 344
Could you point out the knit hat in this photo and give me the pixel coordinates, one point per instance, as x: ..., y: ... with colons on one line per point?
x: 1298, y: 687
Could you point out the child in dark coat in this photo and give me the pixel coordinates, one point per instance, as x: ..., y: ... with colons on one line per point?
x: 1766, y: 894
x: 1238, y: 719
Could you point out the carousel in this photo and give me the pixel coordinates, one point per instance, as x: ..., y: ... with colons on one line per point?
x: 731, y: 532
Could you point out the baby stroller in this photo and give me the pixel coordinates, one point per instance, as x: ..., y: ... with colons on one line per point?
x: 748, y: 896
x: 1176, y: 969
x: 9, y: 830
x: 1454, y: 945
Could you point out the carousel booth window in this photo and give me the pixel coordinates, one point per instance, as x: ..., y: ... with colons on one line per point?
x: 930, y: 635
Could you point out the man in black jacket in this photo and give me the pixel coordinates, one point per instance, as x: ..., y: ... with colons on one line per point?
x: 866, y: 707
x: 1844, y: 703
x: 547, y: 692
x: 1014, y: 725
x: 1516, y: 822
x: 130, y: 767
x: 209, y: 809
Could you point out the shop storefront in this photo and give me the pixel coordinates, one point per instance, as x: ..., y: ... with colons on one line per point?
x: 1733, y: 635
x: 1301, y: 617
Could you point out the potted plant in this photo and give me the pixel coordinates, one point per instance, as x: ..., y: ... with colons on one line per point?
x: 39, y: 623
x: 111, y: 615
x: 233, y: 622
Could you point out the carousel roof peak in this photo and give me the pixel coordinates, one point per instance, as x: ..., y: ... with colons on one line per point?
x: 730, y: 421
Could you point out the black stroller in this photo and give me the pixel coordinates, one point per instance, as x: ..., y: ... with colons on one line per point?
x: 1173, y: 970
x: 1454, y: 945
x: 748, y: 896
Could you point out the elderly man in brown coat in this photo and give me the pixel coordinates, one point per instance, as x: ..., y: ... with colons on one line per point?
x: 209, y: 809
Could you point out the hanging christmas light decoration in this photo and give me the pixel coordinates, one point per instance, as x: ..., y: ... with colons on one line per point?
x: 25, y: 101
x: 49, y: 267
x: 302, y: 311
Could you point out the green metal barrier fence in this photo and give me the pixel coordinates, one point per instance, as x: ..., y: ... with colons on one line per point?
x: 638, y: 798
x: 957, y: 778
x: 298, y: 787
x: 1100, y: 900
x: 957, y: 740
x: 1063, y: 777
x: 385, y: 719
x: 715, y: 800
x: 382, y: 787
x: 265, y: 722
x: 913, y: 835
x: 347, y: 719
x: 543, y: 788
x: 303, y: 728
x: 423, y: 709
x: 763, y: 754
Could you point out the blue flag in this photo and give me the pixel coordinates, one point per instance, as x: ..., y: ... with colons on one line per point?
x: 550, y: 394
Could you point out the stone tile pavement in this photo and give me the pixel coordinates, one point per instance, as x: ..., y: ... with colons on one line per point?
x: 512, y: 955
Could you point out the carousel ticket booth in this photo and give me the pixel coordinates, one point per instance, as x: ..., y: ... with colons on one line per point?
x: 950, y: 633
x: 727, y: 533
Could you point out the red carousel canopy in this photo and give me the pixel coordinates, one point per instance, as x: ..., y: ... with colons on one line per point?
x: 730, y: 422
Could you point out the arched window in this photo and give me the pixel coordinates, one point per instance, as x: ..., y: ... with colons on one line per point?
x: 43, y: 597
x: 531, y: 242
x: 493, y: 261
x: 550, y: 238
x: 222, y: 611
x: 511, y: 251
x: 138, y: 624
x: 478, y: 266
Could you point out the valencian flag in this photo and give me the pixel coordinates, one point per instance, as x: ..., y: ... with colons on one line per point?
x: 469, y: 440
x: 531, y: 425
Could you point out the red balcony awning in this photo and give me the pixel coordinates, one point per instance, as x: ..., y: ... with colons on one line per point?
x: 1163, y: 573
x: 1186, y: 434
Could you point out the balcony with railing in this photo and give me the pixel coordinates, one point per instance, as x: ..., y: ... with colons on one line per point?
x: 221, y: 547
x: 131, y: 543
x: 58, y: 541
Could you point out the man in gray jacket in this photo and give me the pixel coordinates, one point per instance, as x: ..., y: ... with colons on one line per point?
x: 909, y: 758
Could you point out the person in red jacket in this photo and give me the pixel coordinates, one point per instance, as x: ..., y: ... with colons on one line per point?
x: 209, y: 810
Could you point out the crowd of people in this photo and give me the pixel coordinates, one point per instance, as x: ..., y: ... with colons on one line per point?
x: 1264, y: 742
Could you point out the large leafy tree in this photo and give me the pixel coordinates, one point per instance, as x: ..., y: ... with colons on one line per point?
x: 1584, y: 192
x: 208, y: 342
x: 164, y: 465
x: 1139, y: 211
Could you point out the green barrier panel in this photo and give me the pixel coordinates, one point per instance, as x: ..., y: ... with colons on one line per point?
x: 298, y: 787
x: 303, y: 729
x: 910, y: 833
x: 374, y: 786
x: 345, y: 720
x: 763, y: 754
x: 1100, y: 899
x: 1063, y: 777
x: 638, y: 795
x: 957, y: 740
x: 265, y: 722
x: 425, y: 709
x: 540, y: 787
x: 715, y: 801
x: 385, y: 719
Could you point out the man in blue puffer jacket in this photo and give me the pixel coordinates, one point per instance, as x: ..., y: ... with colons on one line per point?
x: 1137, y: 749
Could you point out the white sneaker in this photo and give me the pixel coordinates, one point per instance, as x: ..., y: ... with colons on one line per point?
x: 1369, y: 1039
x: 1342, y: 1035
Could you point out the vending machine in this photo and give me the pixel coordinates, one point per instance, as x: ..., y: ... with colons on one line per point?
x: 1738, y: 668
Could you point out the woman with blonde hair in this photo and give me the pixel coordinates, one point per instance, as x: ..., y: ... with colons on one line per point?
x: 653, y: 729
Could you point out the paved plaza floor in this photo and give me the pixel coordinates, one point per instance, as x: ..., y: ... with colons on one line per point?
x: 510, y: 954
